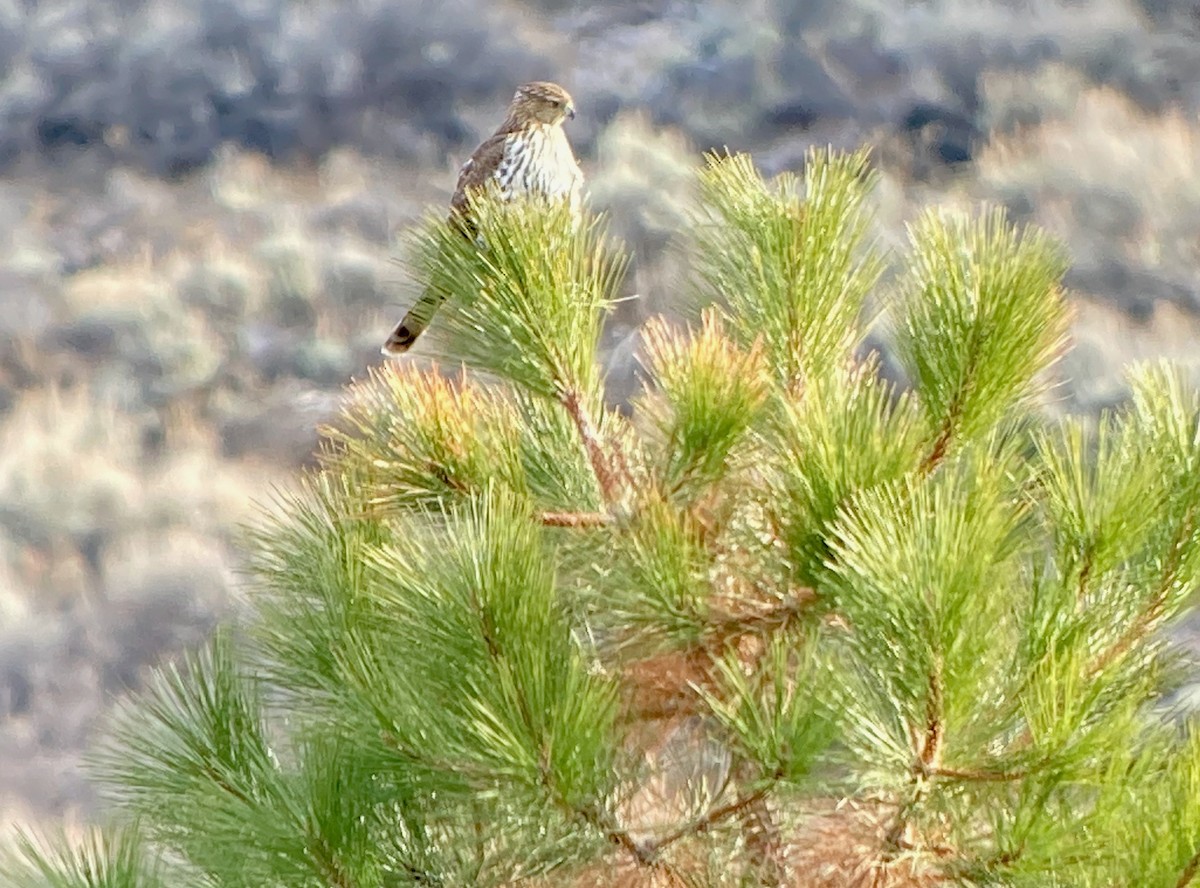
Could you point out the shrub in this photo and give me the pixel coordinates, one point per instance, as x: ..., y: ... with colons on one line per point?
x: 162, y: 87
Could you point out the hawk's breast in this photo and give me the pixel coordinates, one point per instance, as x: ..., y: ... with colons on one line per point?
x: 538, y: 162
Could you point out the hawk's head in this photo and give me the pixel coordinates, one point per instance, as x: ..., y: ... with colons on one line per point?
x: 541, y: 102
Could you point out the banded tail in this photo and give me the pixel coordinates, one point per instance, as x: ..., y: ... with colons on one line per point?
x: 412, y: 326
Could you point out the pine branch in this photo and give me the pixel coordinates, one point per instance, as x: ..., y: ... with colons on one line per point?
x: 941, y: 444
x: 707, y: 394
x: 789, y: 262
x: 413, y: 437
x: 116, y: 858
x: 930, y: 751
x: 981, y: 316
x: 846, y: 432
x: 331, y: 869
x: 521, y: 703
x: 576, y: 519
x: 603, y: 820
x: 978, y: 776
x: 607, y: 476
x: 527, y: 307
x: 716, y: 815
x: 764, y: 843
x: 525, y: 299
x: 1189, y: 871
x: 928, y: 757
x: 1147, y: 619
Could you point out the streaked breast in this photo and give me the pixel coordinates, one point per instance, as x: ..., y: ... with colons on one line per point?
x: 539, y: 162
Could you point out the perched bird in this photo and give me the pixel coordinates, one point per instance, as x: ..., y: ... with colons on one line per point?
x: 528, y: 156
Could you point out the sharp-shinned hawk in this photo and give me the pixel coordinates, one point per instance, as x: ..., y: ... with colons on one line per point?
x: 528, y: 156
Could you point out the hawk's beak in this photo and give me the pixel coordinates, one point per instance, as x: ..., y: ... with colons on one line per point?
x: 570, y: 112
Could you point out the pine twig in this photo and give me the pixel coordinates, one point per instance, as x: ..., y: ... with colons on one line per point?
x: 764, y: 842
x: 602, y: 465
x: 576, y: 519
x: 931, y: 750
x: 712, y: 817
x: 977, y: 776
x: 949, y: 429
x: 331, y: 867
x: 1149, y: 616
x: 1189, y: 872
x: 603, y: 821
x: 929, y: 757
x: 940, y: 447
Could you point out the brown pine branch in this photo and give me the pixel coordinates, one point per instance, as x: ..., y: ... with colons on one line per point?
x: 1148, y: 618
x: 576, y: 519
x: 643, y: 855
x: 946, y: 435
x: 602, y: 465
x: 764, y: 843
x: 929, y: 755
x: 713, y: 816
x: 977, y: 776
x: 931, y: 749
x: 605, y: 823
x: 1189, y: 872
x: 941, y: 447
x: 326, y: 859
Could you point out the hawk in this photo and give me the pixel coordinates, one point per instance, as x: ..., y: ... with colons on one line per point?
x: 528, y: 156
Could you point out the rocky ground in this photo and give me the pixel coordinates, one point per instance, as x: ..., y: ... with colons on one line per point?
x: 204, y: 203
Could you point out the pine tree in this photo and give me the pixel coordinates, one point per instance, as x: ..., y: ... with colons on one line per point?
x: 783, y: 624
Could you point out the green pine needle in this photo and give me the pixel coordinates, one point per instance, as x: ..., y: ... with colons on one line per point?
x: 309, y: 569
x: 1104, y: 494
x: 198, y: 731
x: 557, y: 473
x: 981, y: 316
x: 709, y: 394
x: 1167, y: 414
x: 778, y: 716
x: 519, y: 704
x: 791, y: 268
x: 847, y: 432
x: 99, y: 859
x: 415, y: 438
x: 525, y: 298
x: 657, y: 587
x: 923, y: 572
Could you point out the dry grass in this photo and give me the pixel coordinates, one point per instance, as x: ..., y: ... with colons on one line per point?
x: 112, y: 559
x: 1120, y: 186
x: 643, y: 178
x: 171, y: 351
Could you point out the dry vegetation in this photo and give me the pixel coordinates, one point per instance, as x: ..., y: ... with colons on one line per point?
x: 1122, y: 188
x: 184, y: 296
x: 151, y: 396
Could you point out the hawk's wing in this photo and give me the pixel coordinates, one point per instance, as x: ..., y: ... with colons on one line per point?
x: 477, y: 171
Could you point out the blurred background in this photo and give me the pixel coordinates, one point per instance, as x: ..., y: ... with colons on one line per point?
x: 200, y: 203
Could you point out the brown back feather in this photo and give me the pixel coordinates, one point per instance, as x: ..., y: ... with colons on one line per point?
x: 478, y: 170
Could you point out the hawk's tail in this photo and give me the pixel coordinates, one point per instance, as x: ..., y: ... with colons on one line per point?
x: 412, y: 326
